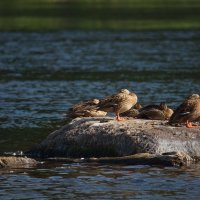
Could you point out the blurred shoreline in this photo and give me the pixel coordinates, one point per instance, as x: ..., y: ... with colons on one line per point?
x: 132, y: 15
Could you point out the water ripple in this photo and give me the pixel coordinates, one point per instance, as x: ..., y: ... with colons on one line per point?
x: 101, y: 182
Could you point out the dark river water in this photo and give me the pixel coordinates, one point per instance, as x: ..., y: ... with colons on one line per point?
x: 43, y: 74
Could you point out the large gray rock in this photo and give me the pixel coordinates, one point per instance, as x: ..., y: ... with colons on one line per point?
x: 99, y: 137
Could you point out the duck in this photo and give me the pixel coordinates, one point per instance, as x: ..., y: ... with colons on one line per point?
x: 86, y: 109
x: 137, y: 106
x: 152, y: 113
x: 133, y: 112
x: 118, y: 103
x: 155, y: 112
x: 187, y: 112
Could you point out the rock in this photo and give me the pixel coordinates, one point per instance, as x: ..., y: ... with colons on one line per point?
x: 101, y: 137
x: 177, y: 159
x: 17, y: 162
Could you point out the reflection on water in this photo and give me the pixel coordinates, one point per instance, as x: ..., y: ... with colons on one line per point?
x: 90, y: 181
x: 43, y: 74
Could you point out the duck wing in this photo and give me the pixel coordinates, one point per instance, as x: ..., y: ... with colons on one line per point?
x: 149, y: 107
x: 82, y: 108
x: 108, y: 104
x: 182, y: 112
x: 154, y: 114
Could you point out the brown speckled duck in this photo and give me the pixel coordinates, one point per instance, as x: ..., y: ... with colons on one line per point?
x: 133, y: 112
x: 187, y: 112
x: 118, y: 103
x: 85, y: 109
x: 155, y: 112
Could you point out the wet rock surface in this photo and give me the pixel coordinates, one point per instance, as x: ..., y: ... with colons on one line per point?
x: 177, y: 159
x: 101, y: 137
x: 16, y: 162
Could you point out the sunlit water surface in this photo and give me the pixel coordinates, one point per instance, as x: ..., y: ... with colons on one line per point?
x: 43, y: 74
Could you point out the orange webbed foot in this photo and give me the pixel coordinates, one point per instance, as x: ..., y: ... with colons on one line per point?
x: 120, y: 119
x: 189, y: 125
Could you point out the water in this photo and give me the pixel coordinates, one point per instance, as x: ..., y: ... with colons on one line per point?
x: 84, y: 181
x: 43, y: 74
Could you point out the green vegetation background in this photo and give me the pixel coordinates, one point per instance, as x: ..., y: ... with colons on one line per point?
x: 50, y: 15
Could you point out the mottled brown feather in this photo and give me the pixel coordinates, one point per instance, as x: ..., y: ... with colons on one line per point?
x: 157, y: 112
x: 85, y: 109
x: 152, y: 113
x: 189, y: 110
x: 118, y: 103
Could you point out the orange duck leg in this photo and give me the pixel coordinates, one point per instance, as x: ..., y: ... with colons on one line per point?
x: 118, y: 118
